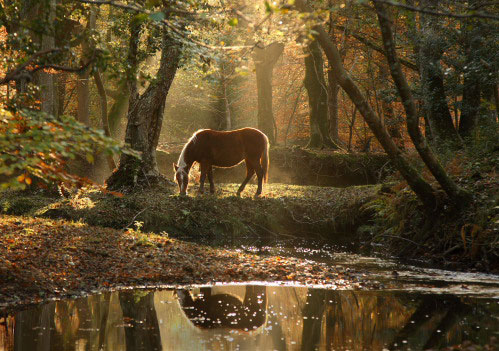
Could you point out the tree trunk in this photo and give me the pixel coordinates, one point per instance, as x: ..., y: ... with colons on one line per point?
x: 47, y: 81
x: 82, y: 83
x: 83, y: 98
x: 317, y: 98
x: 145, y: 119
x: 105, y: 124
x: 265, y: 59
x: 432, y: 80
x: 471, y: 83
x: 422, y: 189
x: 456, y: 194
x: 333, y: 107
x: 228, y: 118
x: 391, y: 120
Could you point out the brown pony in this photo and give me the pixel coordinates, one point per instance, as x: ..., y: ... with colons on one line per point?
x: 224, y: 149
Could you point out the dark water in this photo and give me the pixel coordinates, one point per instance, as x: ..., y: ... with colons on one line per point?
x: 253, y: 317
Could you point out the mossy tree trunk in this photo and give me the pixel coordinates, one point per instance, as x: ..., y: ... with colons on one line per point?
x: 420, y: 187
x: 317, y: 98
x: 145, y: 117
x: 265, y: 58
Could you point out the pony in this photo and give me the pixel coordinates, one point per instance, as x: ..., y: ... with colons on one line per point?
x: 212, y: 148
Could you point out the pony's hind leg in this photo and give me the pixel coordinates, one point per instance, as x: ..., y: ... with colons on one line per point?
x: 259, y: 174
x: 205, y: 169
x: 249, y: 174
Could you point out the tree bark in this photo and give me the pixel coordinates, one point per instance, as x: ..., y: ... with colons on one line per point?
x: 420, y: 187
x: 103, y: 105
x: 47, y: 82
x: 315, y: 85
x: 82, y: 83
x: 432, y: 79
x: 265, y: 59
x: 471, y: 83
x: 333, y: 107
x: 456, y: 194
x: 145, y: 119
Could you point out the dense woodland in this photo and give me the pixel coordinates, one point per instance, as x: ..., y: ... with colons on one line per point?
x: 382, y: 118
x: 416, y: 80
x: 97, y: 98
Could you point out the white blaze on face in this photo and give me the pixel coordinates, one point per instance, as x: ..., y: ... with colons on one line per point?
x: 182, y: 178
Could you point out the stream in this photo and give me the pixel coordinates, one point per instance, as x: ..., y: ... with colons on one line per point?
x: 414, y: 308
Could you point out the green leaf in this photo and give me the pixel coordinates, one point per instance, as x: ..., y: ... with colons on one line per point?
x: 90, y: 158
x: 157, y: 16
x: 233, y: 22
x: 268, y: 8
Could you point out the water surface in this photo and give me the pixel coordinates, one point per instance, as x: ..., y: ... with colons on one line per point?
x: 253, y: 317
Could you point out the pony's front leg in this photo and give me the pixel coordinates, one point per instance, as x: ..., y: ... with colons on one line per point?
x: 210, y: 179
x: 201, y: 181
x: 205, y: 169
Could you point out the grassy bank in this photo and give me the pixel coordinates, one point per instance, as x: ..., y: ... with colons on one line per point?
x: 382, y: 219
x: 331, y: 213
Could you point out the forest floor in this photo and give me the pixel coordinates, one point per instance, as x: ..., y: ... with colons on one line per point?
x: 43, y: 258
x: 53, y: 245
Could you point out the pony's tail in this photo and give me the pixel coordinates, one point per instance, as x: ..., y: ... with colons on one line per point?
x: 265, y: 160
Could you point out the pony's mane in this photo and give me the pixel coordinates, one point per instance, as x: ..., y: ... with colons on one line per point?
x: 181, y: 161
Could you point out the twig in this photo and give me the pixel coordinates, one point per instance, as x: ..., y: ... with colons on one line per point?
x: 133, y: 219
x: 398, y: 237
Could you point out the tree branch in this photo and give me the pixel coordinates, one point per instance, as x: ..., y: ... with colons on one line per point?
x: 22, y: 69
x: 375, y: 47
x: 442, y: 13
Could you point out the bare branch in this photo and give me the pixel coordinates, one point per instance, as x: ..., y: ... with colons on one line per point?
x: 375, y: 47
x: 16, y: 71
x: 22, y: 69
x: 442, y: 13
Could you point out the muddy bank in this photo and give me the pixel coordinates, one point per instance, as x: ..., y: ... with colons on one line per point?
x: 302, y: 167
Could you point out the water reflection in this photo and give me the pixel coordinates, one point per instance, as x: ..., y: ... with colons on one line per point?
x: 251, y: 317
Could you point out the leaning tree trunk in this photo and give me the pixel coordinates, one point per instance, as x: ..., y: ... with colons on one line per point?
x: 420, y: 187
x: 265, y: 59
x: 144, y: 125
x: 456, y: 194
x: 317, y: 98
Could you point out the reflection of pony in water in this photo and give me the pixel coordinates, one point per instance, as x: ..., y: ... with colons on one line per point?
x: 224, y: 310
x: 212, y: 148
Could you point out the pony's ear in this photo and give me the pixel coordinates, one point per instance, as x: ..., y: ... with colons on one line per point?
x: 175, y: 167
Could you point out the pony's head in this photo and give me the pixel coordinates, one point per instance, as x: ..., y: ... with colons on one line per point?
x: 182, y: 178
